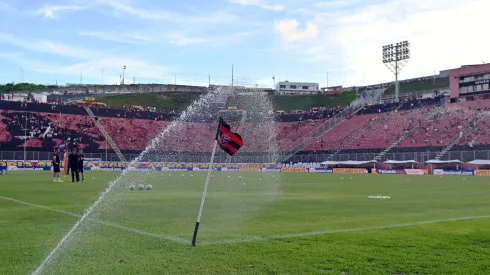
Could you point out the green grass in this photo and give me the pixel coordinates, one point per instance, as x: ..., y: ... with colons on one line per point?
x: 165, y: 101
x: 269, y: 205
x: 297, y: 102
x: 180, y: 101
x: 420, y: 86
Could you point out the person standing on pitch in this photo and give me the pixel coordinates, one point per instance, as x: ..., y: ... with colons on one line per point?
x: 81, y: 159
x: 73, y: 164
x: 56, y: 165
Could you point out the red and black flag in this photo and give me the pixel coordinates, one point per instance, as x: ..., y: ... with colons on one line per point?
x: 228, y: 141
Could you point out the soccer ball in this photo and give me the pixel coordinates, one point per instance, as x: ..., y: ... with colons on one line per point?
x: 141, y: 186
x: 148, y: 187
x: 131, y: 187
x: 240, y: 177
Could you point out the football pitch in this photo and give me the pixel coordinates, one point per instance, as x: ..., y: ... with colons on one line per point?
x: 261, y: 223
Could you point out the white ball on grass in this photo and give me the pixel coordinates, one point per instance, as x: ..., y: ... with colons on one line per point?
x: 149, y: 187
x: 141, y: 186
x: 239, y: 177
x: 131, y: 187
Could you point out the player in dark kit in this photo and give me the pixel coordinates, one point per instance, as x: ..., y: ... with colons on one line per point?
x: 56, y: 166
x: 81, y: 159
x: 73, y: 164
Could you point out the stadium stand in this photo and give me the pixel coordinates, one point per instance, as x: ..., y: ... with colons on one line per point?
x: 413, y: 125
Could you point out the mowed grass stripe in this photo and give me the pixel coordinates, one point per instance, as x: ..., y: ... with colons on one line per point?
x: 134, y: 230
x: 240, y: 238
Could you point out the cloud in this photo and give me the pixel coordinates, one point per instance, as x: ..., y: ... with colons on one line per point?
x: 180, y: 39
x: 131, y: 38
x: 336, y: 4
x: 173, y: 38
x: 288, y: 30
x: 258, y: 3
x: 442, y: 34
x: 52, y: 11
x: 49, y: 47
x: 164, y: 15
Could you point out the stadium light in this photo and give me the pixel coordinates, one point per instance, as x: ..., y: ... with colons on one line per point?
x: 395, y: 57
x: 124, y: 69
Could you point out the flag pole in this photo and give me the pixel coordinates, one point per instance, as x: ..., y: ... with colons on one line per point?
x: 203, y: 198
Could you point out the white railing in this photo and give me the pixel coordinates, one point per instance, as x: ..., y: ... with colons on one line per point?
x: 199, y: 157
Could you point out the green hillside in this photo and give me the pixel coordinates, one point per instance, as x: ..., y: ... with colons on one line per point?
x: 179, y: 101
x: 165, y: 101
x: 296, y: 102
x: 9, y: 87
x: 420, y: 86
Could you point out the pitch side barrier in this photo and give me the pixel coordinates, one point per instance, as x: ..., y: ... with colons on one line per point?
x: 37, y: 165
x: 45, y: 165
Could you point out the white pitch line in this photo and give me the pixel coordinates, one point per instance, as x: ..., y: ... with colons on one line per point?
x: 134, y: 230
x: 304, y: 234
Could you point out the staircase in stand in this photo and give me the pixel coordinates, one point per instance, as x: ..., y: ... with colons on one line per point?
x: 106, y: 135
x: 458, y: 138
x: 405, y: 134
x: 364, y: 130
x: 316, y: 133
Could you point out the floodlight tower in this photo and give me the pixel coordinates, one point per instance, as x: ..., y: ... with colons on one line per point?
x: 395, y: 57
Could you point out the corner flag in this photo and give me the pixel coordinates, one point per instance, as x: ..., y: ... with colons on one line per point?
x: 230, y: 143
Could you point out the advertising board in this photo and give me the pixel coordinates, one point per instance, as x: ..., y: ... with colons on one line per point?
x: 320, y: 170
x: 270, y: 169
x: 482, y: 172
x: 249, y: 169
x: 450, y: 172
x: 350, y: 170
x: 294, y: 169
x: 388, y: 171
x: 416, y: 171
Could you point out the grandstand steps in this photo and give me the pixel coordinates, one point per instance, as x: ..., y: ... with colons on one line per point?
x: 106, y: 135
x: 404, y: 135
x: 455, y: 141
x: 360, y: 133
x: 392, y: 145
x: 458, y: 138
x: 316, y: 133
